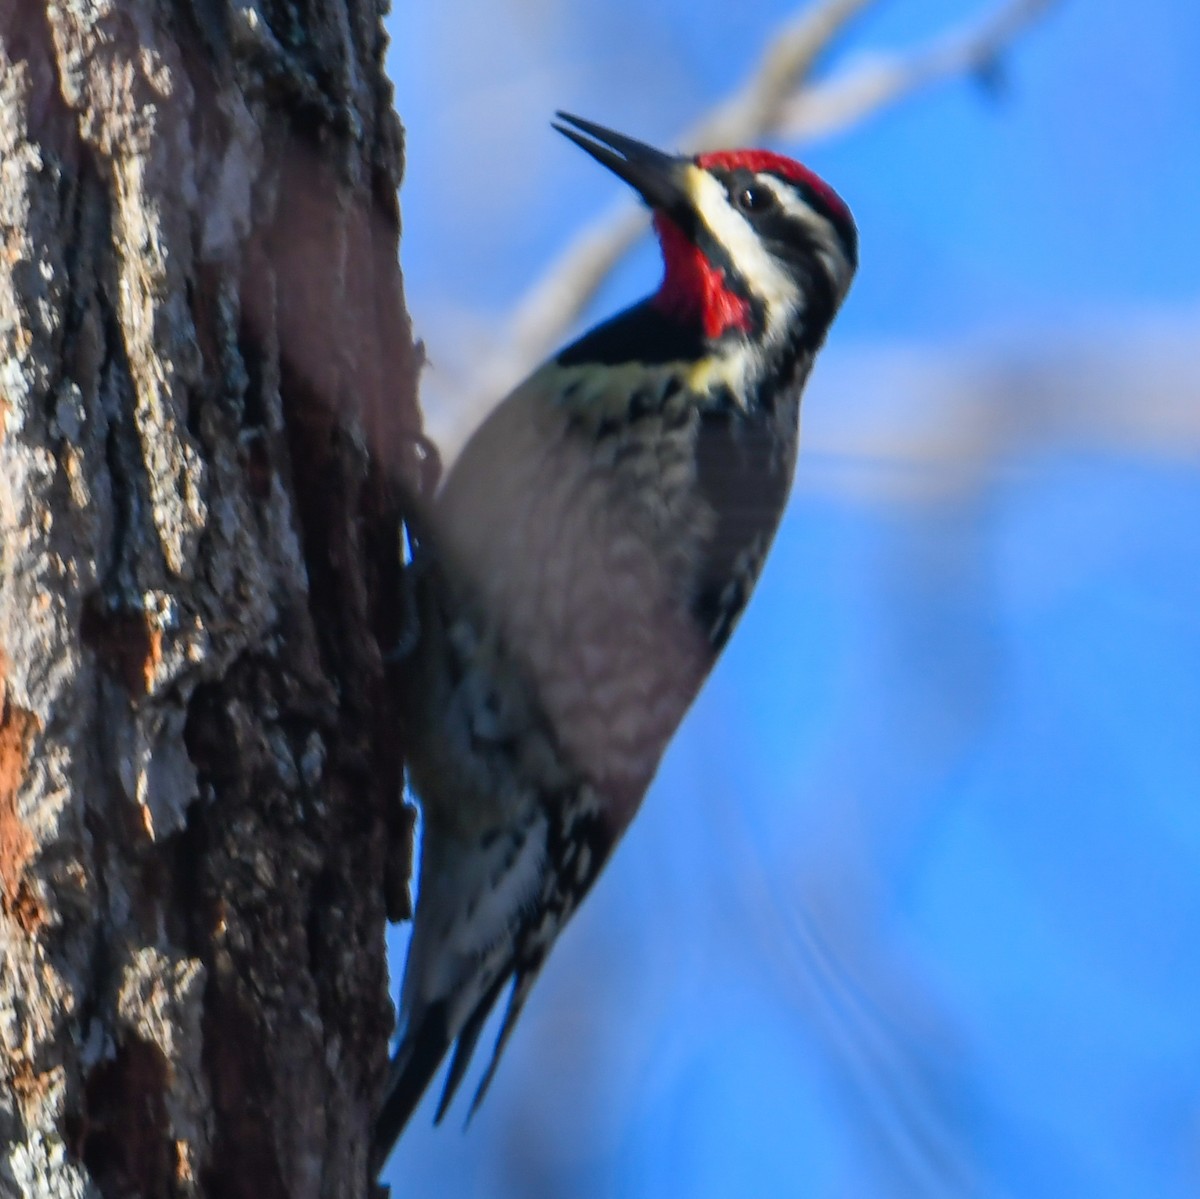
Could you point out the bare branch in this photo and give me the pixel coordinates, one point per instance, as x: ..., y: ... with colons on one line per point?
x: 775, y: 100
x: 554, y: 304
x: 785, y: 66
x: 882, y: 81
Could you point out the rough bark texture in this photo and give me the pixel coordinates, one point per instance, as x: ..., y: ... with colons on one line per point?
x: 206, y: 417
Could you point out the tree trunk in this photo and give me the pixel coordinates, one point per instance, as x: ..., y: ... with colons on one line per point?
x: 207, y: 413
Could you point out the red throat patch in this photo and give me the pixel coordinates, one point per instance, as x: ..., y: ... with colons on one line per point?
x: 692, y: 288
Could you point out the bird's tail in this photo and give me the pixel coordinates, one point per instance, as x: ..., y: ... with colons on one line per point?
x: 416, y: 1060
x: 422, y: 1048
x: 486, y: 915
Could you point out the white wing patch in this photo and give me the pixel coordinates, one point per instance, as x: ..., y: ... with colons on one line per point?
x: 474, y: 897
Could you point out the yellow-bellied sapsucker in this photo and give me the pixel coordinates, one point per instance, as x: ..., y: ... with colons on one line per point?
x: 591, y: 551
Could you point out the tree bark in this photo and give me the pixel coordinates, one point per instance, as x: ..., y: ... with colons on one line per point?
x: 207, y: 421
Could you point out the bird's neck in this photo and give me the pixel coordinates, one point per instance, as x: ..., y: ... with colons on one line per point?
x: 695, y: 289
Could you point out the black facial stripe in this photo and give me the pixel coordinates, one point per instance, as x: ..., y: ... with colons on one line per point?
x: 794, y: 244
x: 719, y: 257
x: 699, y: 234
x: 843, y: 225
x: 796, y: 247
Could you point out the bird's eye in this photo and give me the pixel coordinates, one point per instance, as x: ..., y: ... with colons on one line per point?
x: 755, y: 198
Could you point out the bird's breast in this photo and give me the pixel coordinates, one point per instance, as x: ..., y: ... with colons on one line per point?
x: 582, y: 553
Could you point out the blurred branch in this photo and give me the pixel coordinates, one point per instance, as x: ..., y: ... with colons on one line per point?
x: 755, y: 108
x: 882, y: 81
x: 775, y: 101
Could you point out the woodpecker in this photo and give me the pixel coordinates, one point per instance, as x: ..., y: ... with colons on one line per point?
x: 587, y: 558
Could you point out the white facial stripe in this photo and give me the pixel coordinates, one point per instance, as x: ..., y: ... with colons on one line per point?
x: 826, y: 236
x: 769, y: 281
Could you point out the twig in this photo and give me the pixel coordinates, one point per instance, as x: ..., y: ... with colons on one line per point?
x: 882, y: 81
x: 785, y: 66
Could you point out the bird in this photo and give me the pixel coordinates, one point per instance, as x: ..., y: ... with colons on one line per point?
x: 582, y: 565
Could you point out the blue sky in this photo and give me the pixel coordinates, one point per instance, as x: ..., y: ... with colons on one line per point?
x: 1067, y: 194
x: 912, y: 908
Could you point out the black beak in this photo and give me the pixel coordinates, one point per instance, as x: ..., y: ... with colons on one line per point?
x: 655, y: 176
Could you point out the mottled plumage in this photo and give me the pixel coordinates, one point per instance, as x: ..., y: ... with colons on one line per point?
x: 588, y: 557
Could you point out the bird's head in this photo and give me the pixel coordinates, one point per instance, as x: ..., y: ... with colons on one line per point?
x: 754, y: 244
